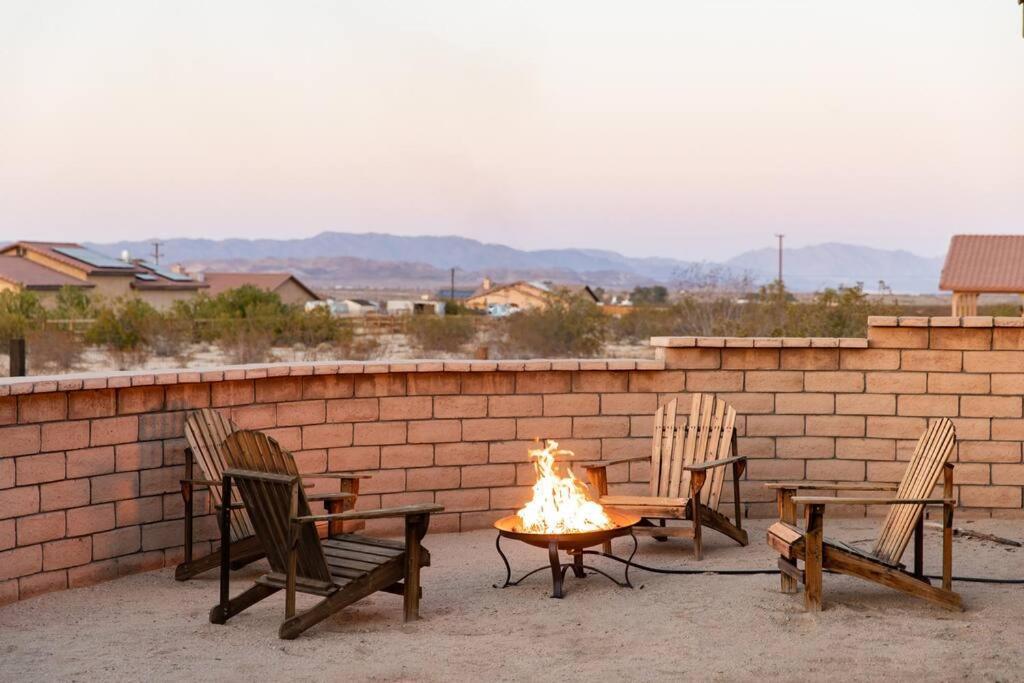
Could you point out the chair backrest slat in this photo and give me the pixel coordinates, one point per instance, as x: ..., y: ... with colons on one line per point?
x: 922, y: 474
x: 205, y: 431
x: 707, y: 435
x: 269, y: 502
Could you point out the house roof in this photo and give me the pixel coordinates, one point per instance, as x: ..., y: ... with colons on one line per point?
x: 270, y: 282
x: 32, y: 276
x: 149, y: 276
x: 75, y: 255
x: 540, y: 289
x: 984, y: 263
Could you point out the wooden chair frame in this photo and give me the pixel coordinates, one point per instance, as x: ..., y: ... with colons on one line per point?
x: 205, y: 431
x: 684, y: 460
x: 358, y: 566
x: 881, y: 565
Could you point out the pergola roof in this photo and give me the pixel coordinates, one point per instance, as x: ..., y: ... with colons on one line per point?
x: 984, y: 263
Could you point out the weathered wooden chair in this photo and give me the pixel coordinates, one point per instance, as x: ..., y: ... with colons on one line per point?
x: 905, y: 518
x: 205, y: 432
x: 342, y: 568
x: 688, y: 466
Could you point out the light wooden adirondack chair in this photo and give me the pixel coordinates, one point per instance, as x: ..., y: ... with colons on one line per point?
x: 905, y: 518
x: 342, y: 568
x: 205, y: 432
x: 687, y: 474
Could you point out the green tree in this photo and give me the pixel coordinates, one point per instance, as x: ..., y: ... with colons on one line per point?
x: 649, y: 296
x: 125, y: 329
x: 20, y: 312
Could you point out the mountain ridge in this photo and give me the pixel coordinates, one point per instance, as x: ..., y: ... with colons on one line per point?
x: 380, y: 259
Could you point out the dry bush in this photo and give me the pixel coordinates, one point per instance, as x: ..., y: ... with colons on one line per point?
x: 245, y: 341
x: 441, y: 333
x: 567, y: 327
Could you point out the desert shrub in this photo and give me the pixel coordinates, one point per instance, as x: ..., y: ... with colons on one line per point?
x: 20, y: 312
x: 72, y: 303
x: 441, y: 333
x: 53, y: 350
x: 124, y: 329
x: 569, y: 326
x: 247, y: 340
x: 172, y: 336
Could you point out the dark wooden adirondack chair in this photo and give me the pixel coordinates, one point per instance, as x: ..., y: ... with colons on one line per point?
x: 688, y: 466
x: 341, y: 569
x: 905, y: 518
x: 205, y: 432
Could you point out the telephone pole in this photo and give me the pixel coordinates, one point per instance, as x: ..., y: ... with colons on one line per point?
x: 780, y: 236
x: 156, y: 251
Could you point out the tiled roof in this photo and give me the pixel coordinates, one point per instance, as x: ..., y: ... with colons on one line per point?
x: 984, y: 263
x: 30, y: 275
x: 222, y: 282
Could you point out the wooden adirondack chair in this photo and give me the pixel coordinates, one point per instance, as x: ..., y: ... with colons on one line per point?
x: 687, y: 474
x: 342, y: 568
x: 205, y: 432
x: 905, y: 518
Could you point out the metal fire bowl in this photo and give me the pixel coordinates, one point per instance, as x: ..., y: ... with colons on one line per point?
x: 507, y: 527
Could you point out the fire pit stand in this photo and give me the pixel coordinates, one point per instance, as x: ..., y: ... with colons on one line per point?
x: 571, y: 543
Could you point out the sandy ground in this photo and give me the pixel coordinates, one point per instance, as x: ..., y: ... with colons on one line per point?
x: 703, y: 627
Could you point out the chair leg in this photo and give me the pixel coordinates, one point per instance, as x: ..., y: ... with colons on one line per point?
x: 415, y: 529
x: 787, y: 514
x: 221, y: 613
x: 696, y: 482
x: 813, y: 541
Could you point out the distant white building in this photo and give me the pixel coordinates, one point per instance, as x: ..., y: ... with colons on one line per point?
x: 358, y: 307
x: 406, y: 307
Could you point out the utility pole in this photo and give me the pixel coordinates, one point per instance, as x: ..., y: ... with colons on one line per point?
x: 780, y: 236
x: 452, y: 293
x: 156, y: 251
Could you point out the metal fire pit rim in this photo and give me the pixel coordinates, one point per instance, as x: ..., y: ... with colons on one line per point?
x: 624, y: 522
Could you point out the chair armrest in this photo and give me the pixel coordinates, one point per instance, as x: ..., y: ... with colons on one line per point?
x: 598, y: 464
x: 338, y: 475
x: 202, y: 482
x: 330, y: 496
x: 404, y: 511
x: 826, y: 500
x: 714, y: 463
x: 822, y: 486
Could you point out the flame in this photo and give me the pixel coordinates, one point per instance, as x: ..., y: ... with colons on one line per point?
x: 560, y: 504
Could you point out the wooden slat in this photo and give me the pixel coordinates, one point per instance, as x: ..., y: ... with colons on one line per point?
x: 643, y: 500
x: 724, y: 451
x: 716, y: 476
x: 658, y: 437
x: 692, y: 427
x: 922, y: 475
x: 205, y: 431
x: 666, y: 448
x: 332, y: 544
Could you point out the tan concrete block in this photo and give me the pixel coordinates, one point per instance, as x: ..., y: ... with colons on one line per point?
x: 898, y: 337
x: 961, y: 338
x: 572, y: 404
x: 869, y: 359
x: 750, y: 359
x: 692, y: 358
x: 928, y: 405
x: 460, y: 406
x: 993, y: 361
x: 810, y: 359
x: 805, y: 404
x: 990, y: 406
x: 775, y: 425
x: 835, y: 425
x: 931, y: 361
x: 865, y: 404
x: 897, y: 382
x: 896, y: 427
x: 42, y: 407
x: 835, y: 382
x: 435, y: 431
x: 865, y: 449
x: 807, y: 447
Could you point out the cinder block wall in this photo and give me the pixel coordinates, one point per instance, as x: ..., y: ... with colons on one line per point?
x: 90, y: 464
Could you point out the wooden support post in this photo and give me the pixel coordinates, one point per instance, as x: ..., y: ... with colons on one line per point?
x: 225, y: 548
x: 341, y: 527
x: 415, y: 530
x: 919, y: 546
x: 187, y: 495
x: 787, y: 514
x: 17, y: 358
x: 294, y: 531
x: 696, y: 482
x: 738, y: 468
x: 599, y: 480
x: 947, y: 528
x: 813, y: 539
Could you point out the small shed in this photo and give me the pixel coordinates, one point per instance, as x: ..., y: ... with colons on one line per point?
x: 982, y: 264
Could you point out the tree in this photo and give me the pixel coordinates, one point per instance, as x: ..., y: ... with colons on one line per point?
x: 649, y: 296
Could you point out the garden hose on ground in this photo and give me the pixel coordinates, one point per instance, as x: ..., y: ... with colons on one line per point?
x: 743, y: 572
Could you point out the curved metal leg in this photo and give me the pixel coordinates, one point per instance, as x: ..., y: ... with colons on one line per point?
x: 577, y: 565
x: 629, y: 562
x: 508, y: 567
x: 557, y: 571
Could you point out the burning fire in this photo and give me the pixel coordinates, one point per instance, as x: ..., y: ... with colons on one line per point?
x: 560, y: 504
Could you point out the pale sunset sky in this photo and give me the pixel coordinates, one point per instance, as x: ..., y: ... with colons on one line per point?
x: 693, y: 129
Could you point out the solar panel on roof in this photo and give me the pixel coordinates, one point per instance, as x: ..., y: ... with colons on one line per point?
x: 167, y: 274
x: 146, y: 276
x: 91, y: 257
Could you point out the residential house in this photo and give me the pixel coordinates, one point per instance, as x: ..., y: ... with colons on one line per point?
x: 285, y: 285
x: 105, y: 276
x: 982, y: 264
x: 521, y: 295
x: 19, y: 274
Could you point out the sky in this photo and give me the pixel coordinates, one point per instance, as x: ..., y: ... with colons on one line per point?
x: 693, y: 129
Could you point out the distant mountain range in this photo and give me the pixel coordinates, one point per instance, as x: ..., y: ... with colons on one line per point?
x: 380, y: 260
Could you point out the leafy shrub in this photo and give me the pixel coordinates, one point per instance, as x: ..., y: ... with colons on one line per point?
x: 20, y: 312
x: 569, y: 326
x: 441, y: 333
x: 125, y: 330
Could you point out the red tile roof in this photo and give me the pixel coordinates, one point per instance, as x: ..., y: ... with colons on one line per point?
x: 984, y: 263
x: 24, y: 273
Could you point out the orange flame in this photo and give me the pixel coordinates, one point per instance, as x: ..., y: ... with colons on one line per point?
x: 560, y: 504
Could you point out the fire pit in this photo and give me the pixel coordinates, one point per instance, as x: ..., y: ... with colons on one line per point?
x: 560, y: 516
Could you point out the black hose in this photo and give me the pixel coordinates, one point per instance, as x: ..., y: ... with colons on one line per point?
x: 745, y: 572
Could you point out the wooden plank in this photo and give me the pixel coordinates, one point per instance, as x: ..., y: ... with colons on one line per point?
x: 692, y: 427
x: 722, y: 451
x: 657, y: 440
x: 665, y: 464
x: 790, y: 570
x: 367, y: 549
x: 654, y: 501
x: 672, y: 531
x: 865, y: 568
x: 813, y: 557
